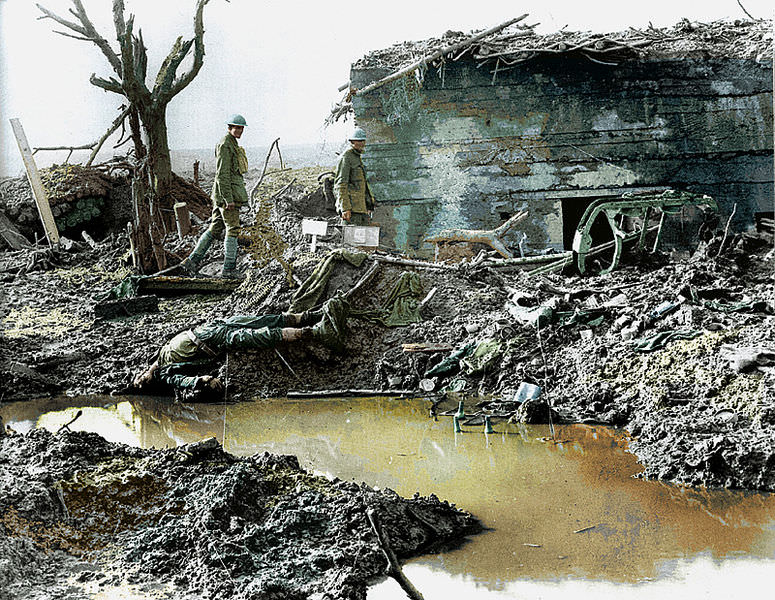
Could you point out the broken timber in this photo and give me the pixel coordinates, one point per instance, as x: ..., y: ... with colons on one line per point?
x: 426, y: 60
x: 489, y: 237
x: 186, y: 285
x: 41, y: 198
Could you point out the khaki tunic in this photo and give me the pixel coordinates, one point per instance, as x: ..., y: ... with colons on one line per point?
x: 229, y: 186
x: 350, y: 185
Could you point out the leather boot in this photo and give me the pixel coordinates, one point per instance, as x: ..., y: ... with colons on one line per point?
x: 192, y: 264
x: 230, y: 259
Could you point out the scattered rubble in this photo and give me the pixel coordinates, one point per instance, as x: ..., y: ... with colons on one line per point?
x: 677, y: 348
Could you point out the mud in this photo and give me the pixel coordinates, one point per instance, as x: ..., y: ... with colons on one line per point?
x: 88, y: 517
x: 698, y: 414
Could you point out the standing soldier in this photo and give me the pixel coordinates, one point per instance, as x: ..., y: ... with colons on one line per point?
x: 354, y: 200
x: 228, y: 195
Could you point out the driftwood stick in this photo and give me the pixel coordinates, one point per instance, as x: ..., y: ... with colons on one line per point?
x: 363, y: 281
x: 488, y: 237
x: 436, y: 55
x: 726, y: 230
x: 412, y: 263
x: 394, y: 568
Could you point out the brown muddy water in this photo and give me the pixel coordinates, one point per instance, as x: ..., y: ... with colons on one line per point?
x: 566, y: 517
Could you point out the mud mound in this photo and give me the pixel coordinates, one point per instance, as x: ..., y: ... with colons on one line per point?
x: 201, y: 521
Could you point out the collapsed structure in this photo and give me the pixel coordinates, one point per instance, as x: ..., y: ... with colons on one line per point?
x: 517, y: 121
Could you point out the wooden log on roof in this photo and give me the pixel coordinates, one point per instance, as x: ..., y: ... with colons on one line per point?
x: 436, y: 55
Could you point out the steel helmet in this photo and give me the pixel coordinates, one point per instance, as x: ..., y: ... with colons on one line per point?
x: 237, y: 120
x: 358, y: 135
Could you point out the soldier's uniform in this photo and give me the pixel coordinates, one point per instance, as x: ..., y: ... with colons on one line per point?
x: 195, y: 350
x: 352, y: 188
x: 228, y: 188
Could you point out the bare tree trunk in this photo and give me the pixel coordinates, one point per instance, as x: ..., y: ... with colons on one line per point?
x: 145, y: 232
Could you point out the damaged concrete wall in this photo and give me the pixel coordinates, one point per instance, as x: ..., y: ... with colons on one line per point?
x: 469, y: 147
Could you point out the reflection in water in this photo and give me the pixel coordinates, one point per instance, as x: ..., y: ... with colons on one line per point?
x: 567, y: 509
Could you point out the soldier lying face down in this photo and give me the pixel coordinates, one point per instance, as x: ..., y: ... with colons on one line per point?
x: 181, y: 360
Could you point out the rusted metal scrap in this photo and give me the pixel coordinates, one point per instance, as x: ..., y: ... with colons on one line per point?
x: 666, y: 203
x: 489, y: 237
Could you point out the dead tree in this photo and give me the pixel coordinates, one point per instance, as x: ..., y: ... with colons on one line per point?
x: 488, y: 237
x: 147, y: 110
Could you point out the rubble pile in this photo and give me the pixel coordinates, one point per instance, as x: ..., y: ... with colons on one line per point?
x: 196, y: 520
x: 740, y: 38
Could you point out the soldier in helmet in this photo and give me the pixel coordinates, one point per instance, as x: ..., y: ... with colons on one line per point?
x: 354, y: 200
x: 228, y: 195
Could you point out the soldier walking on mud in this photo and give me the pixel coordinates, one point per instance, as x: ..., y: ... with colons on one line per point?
x: 228, y: 195
x: 354, y: 200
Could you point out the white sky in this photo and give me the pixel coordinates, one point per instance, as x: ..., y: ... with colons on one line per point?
x: 278, y: 62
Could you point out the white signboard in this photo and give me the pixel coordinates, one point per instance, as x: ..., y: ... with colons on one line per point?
x: 313, y: 227
x: 357, y: 235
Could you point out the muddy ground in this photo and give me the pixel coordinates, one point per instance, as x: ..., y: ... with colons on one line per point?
x: 83, y: 517
x: 700, y: 408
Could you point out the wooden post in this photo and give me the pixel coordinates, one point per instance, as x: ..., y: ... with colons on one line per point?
x: 41, y: 199
x: 130, y: 232
x: 196, y: 173
x: 182, y: 218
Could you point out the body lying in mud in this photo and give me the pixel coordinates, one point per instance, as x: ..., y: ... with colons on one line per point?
x: 197, y: 521
x: 181, y: 362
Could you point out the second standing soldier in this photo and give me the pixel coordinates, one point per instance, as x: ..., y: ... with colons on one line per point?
x: 354, y: 200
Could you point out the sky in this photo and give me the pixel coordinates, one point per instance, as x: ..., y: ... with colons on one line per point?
x: 277, y: 62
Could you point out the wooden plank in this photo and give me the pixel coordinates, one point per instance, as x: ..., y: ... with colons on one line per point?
x: 427, y: 347
x: 41, y: 198
x: 187, y: 285
x: 124, y: 307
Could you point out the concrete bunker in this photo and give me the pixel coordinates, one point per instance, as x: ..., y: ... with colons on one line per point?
x: 552, y: 123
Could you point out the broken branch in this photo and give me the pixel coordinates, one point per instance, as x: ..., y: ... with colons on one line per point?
x: 488, y: 237
x: 436, y: 55
x: 394, y: 568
